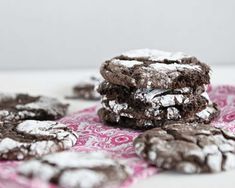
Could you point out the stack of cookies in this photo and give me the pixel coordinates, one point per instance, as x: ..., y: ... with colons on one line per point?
x: 149, y: 88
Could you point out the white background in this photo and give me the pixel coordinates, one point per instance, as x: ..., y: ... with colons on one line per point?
x: 83, y: 33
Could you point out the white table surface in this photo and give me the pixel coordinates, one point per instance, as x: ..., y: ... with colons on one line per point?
x: 58, y: 83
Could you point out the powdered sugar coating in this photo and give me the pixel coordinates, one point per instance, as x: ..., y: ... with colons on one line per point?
x: 173, y: 67
x: 173, y: 113
x: 41, y: 128
x: 117, y: 107
x: 34, y: 138
x: 206, y: 113
x: 74, y: 169
x: 155, y: 55
x: 7, y: 144
x: 149, y: 94
x: 164, y: 100
x: 84, y: 178
x: 79, y: 160
x: 126, y: 63
x: 153, y: 97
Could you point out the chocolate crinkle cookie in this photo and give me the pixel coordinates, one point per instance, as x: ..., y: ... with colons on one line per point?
x: 113, y: 119
x: 16, y: 107
x: 147, y: 68
x: 86, y: 89
x: 31, y: 138
x: 72, y: 170
x: 188, y: 148
x: 153, y: 103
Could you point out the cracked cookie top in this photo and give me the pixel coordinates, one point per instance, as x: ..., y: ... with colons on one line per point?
x: 16, y: 107
x: 188, y: 148
x: 33, y: 138
x: 147, y: 68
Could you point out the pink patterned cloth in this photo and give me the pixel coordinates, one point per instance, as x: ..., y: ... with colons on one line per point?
x: 93, y: 135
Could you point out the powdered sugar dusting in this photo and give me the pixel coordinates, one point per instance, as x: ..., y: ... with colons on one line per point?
x: 8, y: 144
x: 79, y: 160
x: 48, y: 171
x: 149, y: 94
x: 206, y: 96
x: 126, y: 63
x: 205, y: 114
x: 41, y: 127
x: 153, y: 97
x: 82, y: 178
x: 173, y: 67
x: 117, y: 107
x: 173, y: 113
x: 229, y: 162
x: 155, y: 55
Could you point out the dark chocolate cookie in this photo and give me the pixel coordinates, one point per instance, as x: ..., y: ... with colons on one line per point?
x: 169, y: 107
x: 32, y: 138
x: 15, y: 107
x: 73, y: 170
x: 155, y: 69
x: 145, y: 95
x: 185, y: 110
x: 86, y: 90
x: 113, y: 119
x: 153, y: 103
x: 188, y: 148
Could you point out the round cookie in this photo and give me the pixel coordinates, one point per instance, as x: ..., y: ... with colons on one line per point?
x: 86, y: 89
x: 152, y: 103
x: 31, y: 138
x: 188, y: 148
x: 15, y: 107
x: 73, y: 169
x: 168, y: 107
x: 145, y: 95
x: 113, y: 119
x: 147, y: 68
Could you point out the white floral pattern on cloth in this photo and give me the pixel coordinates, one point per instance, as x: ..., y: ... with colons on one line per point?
x: 93, y: 136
